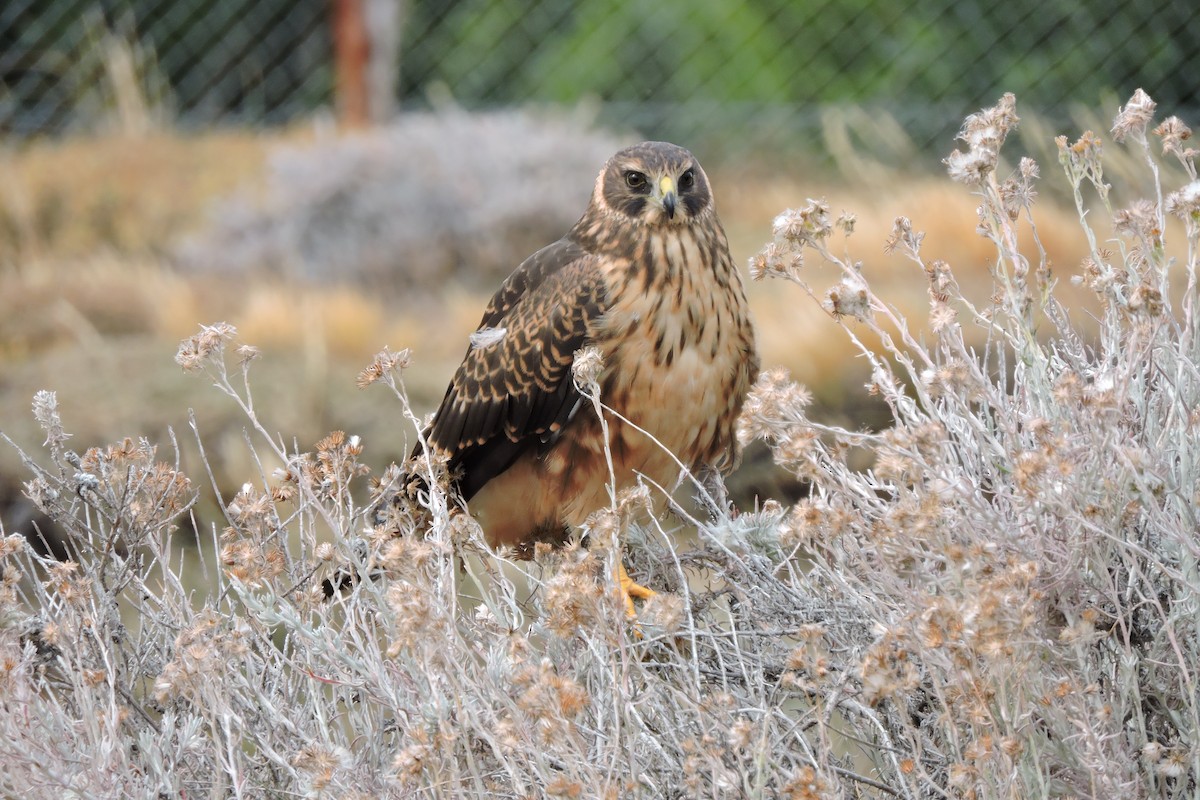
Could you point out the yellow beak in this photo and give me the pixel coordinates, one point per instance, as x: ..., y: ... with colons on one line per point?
x: 666, y: 187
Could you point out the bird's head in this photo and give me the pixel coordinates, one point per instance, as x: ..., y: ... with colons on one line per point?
x: 654, y: 183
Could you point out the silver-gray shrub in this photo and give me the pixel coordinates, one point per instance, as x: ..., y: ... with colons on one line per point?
x: 434, y: 195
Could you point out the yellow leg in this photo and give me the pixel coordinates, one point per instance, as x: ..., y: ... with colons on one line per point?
x: 630, y: 590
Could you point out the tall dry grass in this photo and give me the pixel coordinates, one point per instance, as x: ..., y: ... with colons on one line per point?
x: 1003, y: 604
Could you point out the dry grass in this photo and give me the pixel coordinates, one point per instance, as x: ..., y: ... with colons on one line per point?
x: 74, y: 282
x: 1002, y: 604
x: 63, y: 199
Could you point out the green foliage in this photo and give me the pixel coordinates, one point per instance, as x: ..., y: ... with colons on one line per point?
x: 776, y: 51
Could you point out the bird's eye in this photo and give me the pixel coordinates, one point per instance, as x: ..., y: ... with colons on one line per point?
x: 635, y: 179
x: 687, y: 180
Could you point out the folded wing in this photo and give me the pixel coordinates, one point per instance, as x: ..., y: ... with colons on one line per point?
x: 515, y: 390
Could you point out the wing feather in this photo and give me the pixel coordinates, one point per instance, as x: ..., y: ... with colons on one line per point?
x: 516, y: 393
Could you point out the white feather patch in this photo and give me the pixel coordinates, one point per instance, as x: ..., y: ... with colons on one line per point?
x: 486, y: 337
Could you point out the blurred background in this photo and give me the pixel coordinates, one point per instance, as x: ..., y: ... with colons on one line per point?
x: 334, y: 176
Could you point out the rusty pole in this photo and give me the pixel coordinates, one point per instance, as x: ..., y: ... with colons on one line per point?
x: 351, y: 51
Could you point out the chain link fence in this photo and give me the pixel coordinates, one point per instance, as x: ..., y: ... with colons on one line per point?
x: 742, y: 73
x: 69, y: 65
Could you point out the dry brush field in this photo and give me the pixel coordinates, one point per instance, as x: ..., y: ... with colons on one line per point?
x: 963, y: 560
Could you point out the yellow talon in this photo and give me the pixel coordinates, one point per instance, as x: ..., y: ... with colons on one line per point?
x: 630, y: 590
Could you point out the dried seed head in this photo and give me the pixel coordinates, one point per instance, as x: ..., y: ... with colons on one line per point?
x: 758, y: 263
x: 42, y: 494
x: 13, y: 543
x: 551, y: 700
x: 1028, y: 470
x: 384, y: 363
x: 664, y: 612
x: 1133, y: 117
x: 971, y: 168
x: 416, y: 617
x: 846, y: 222
x: 576, y: 597
x: 984, y: 134
x: 794, y: 230
x: 741, y: 733
x: 806, y: 784
x: 247, y: 353
x: 196, y: 351
x: 886, y: 670
x: 942, y: 317
x: 410, y: 762
x: 1012, y: 746
x: 849, y: 298
x: 904, y: 238
x: 777, y: 261
x: 1017, y: 194
x: 1146, y: 300
x: 252, y: 563
x: 1139, y: 220
x: 774, y: 405
x: 45, y: 411
x: 562, y: 786
x: 1081, y: 159
x: 203, y: 652
x: 1174, y: 133
x: 1184, y: 203
x: 588, y: 364
x: 1175, y: 764
x: 803, y: 226
x: 319, y: 762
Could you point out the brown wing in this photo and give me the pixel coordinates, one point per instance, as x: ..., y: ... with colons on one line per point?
x: 518, y: 392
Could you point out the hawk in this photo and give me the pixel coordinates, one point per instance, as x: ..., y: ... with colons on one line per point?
x: 646, y: 277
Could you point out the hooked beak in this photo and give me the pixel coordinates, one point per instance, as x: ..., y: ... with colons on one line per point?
x: 667, y: 187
